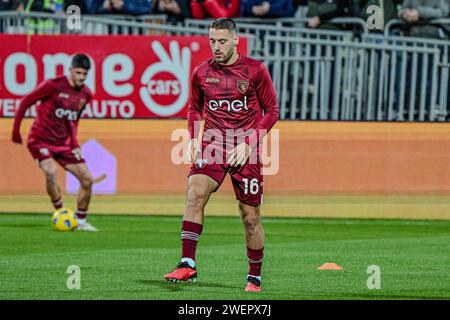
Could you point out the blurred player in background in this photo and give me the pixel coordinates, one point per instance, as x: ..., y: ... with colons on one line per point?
x: 53, y: 135
x: 232, y: 91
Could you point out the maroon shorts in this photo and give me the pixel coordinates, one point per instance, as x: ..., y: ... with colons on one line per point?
x: 247, y: 179
x: 62, y: 154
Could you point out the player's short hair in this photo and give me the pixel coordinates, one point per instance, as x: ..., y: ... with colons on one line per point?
x: 224, y: 23
x: 81, y: 60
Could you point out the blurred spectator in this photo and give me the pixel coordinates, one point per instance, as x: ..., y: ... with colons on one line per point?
x: 51, y: 6
x: 319, y: 11
x: 7, y: 5
x: 267, y: 8
x: 417, y: 12
x: 358, y: 8
x: 134, y: 7
x: 176, y: 10
x: 215, y: 8
x: 79, y: 3
x: 41, y: 25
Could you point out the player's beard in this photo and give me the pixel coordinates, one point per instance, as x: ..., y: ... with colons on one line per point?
x: 225, y: 58
x: 78, y: 84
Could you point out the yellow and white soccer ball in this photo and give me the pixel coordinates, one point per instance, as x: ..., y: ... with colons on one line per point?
x: 64, y: 219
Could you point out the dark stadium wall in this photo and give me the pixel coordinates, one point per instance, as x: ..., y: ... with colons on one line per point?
x: 315, y: 158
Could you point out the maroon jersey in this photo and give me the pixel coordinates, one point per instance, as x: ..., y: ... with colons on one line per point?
x: 57, y: 114
x: 233, y: 97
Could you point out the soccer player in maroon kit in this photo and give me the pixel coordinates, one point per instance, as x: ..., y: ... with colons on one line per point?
x: 53, y: 135
x: 231, y: 91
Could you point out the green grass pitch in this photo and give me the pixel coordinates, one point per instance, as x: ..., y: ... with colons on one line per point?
x: 129, y: 256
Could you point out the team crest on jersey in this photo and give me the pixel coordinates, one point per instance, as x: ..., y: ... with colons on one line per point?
x: 63, y: 95
x: 242, y: 85
x: 200, y: 163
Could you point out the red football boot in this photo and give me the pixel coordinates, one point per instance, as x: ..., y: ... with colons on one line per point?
x: 183, y: 272
x: 253, y: 284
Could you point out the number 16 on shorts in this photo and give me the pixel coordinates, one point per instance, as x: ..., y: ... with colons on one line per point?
x: 251, y: 186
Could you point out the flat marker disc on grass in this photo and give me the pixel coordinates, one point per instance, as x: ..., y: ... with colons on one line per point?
x: 330, y: 266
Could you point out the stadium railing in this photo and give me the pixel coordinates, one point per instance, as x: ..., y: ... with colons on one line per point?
x: 412, y: 72
x: 298, y: 22
x: 150, y: 18
x: 12, y: 22
x: 346, y: 80
x: 92, y: 25
x: 107, y: 26
x: 396, y: 23
x: 260, y: 31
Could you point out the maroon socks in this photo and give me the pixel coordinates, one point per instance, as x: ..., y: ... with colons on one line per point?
x: 255, y: 259
x: 190, y: 234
